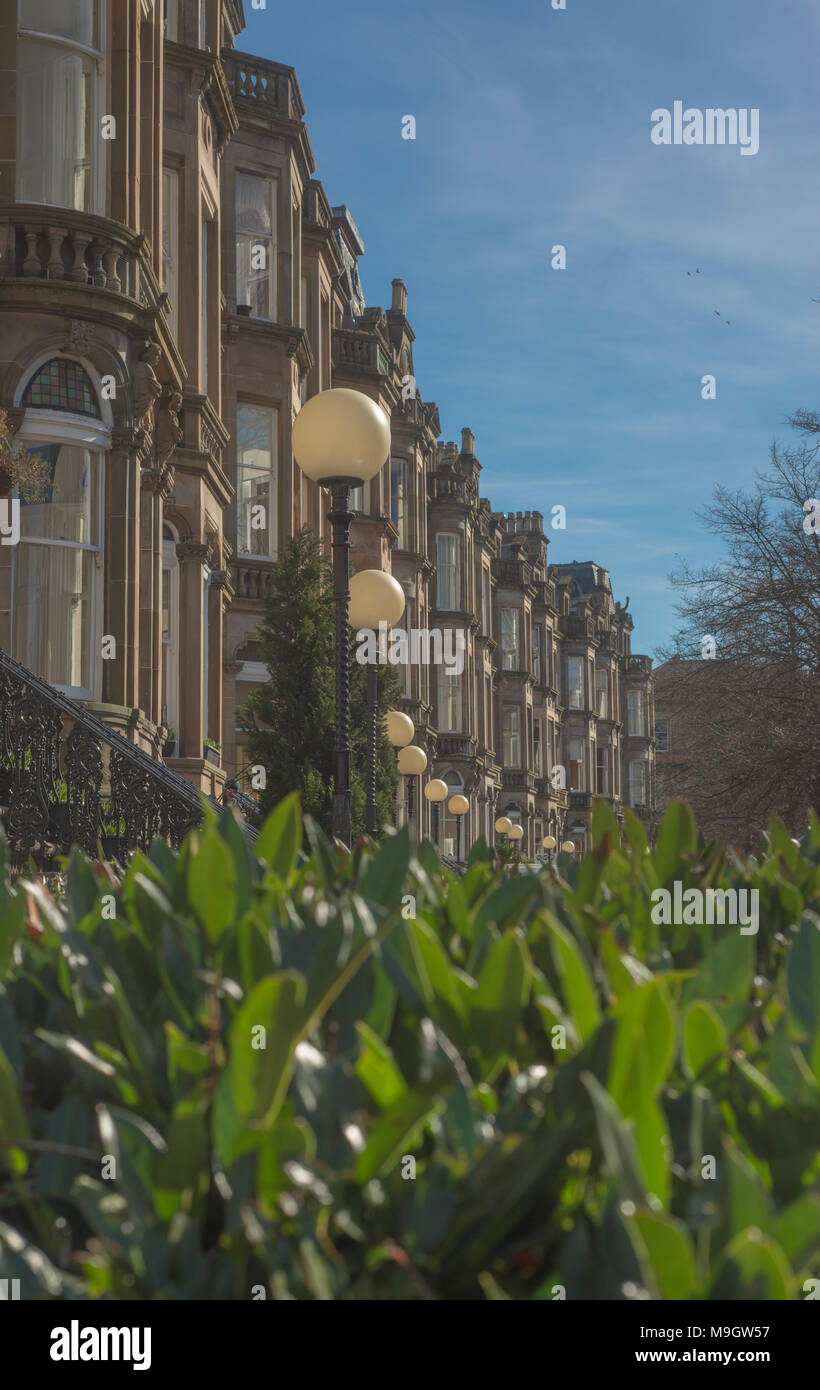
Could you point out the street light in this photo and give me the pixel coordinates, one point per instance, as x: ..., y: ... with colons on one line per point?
x: 340, y: 439
x: 375, y: 598
x: 549, y: 843
x: 568, y: 847
x: 399, y: 728
x: 517, y: 835
x: 458, y: 806
x: 412, y: 761
x: 437, y: 791
x: 503, y: 825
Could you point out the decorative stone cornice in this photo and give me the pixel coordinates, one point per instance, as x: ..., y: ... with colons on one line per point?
x: 193, y: 550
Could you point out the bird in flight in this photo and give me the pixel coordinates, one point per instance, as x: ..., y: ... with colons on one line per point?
x: 697, y: 272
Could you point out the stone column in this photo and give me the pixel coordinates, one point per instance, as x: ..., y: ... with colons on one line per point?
x: 192, y: 557
x: 121, y: 574
x: 220, y: 594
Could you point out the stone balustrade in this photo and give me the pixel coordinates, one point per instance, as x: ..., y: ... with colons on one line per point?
x: 38, y: 243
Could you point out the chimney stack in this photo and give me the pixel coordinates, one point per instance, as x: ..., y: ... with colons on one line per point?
x: 467, y: 442
x: 399, y: 297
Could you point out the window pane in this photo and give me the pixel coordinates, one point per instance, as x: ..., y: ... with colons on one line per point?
x: 635, y: 721
x: 53, y: 612
x: 662, y: 735
x: 602, y: 700
x: 575, y: 682
x: 398, y: 500
x: 70, y: 19
x: 60, y: 504
x: 256, y: 479
x: 448, y: 564
x: 509, y: 639
x: 54, y: 116
x: 170, y: 241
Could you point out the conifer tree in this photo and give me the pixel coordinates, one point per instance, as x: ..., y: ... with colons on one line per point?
x: 290, y: 719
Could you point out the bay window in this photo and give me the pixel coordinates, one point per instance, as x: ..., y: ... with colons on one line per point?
x: 575, y: 682
x: 449, y: 700
x: 509, y: 639
x: 511, y: 736
x: 399, y: 500
x: 637, y: 784
x: 257, y: 430
x: 602, y: 770
x: 59, y: 64
x: 538, y: 766
x: 636, y: 726
x: 577, y: 770
x: 602, y: 693
x: 256, y: 245
x: 448, y: 564
x: 536, y: 653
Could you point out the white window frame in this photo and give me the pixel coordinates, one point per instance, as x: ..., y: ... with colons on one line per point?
x: 399, y: 499
x: 170, y: 649
x: 272, y: 476
x: 575, y: 688
x: 170, y: 262
x: 511, y: 737
x: 635, y: 705
x: 510, y: 638
x: 637, y: 763
x: 60, y: 427
x: 454, y: 569
x: 269, y: 240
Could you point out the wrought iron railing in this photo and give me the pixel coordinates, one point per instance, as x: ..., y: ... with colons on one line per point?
x: 67, y: 778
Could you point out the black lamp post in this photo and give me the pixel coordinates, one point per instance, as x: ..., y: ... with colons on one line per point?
x: 376, y: 598
x: 340, y: 440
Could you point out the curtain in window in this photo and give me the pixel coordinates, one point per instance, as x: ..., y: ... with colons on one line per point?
x: 448, y: 563
x: 55, y: 113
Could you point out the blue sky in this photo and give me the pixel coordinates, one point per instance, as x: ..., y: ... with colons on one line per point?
x: 583, y: 386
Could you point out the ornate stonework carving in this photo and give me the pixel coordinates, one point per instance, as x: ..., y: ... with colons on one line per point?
x: 146, y: 392
x: 169, y: 431
x: 78, y: 337
x: 192, y: 550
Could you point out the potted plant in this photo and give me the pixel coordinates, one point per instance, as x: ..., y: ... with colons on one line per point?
x: 212, y: 750
x: 170, y: 743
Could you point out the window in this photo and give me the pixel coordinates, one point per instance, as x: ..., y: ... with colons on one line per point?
x: 488, y: 712
x: 172, y: 20
x: 257, y: 473
x: 449, y: 700
x: 448, y: 564
x: 536, y: 653
x: 398, y: 500
x: 203, y: 23
x: 602, y: 771
x: 170, y: 632
x: 536, y: 749
x: 451, y: 825
x: 57, y: 115
x: 304, y: 302
x: 635, y: 720
x: 256, y: 245
x: 509, y: 639
x: 637, y: 784
x: 577, y: 778
x: 602, y: 693
x: 170, y: 242
x: 661, y: 735
x: 62, y: 384
x: 56, y: 565
x: 511, y: 736
x: 356, y: 499
x: 486, y: 606
x: 204, y: 304
x: 575, y: 682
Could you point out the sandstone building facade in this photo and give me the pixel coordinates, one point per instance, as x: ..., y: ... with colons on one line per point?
x: 174, y: 284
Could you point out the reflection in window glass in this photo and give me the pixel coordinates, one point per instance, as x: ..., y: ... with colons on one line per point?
x: 256, y: 481
x: 255, y: 245
x: 55, y: 567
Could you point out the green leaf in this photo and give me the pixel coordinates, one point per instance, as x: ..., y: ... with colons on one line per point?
x: 498, y: 1003
x: 184, y: 1166
x: 260, y: 1075
x: 670, y: 1253
x: 617, y: 1142
x: 398, y: 1123
x: 704, y: 1038
x: 384, y: 878
x: 13, y: 1123
x: 212, y: 884
x: 580, y: 996
x: 644, y: 1042
x: 280, y: 838
x: 377, y: 1068
x: 676, y: 843
x: 754, y: 1267
x: 724, y: 977
x: 797, y: 1230
x: 803, y: 976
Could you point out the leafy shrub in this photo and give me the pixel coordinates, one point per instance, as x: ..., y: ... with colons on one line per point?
x: 412, y: 1127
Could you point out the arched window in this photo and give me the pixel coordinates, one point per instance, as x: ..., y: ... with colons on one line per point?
x: 62, y: 384
x: 56, y: 621
x: 59, y: 74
